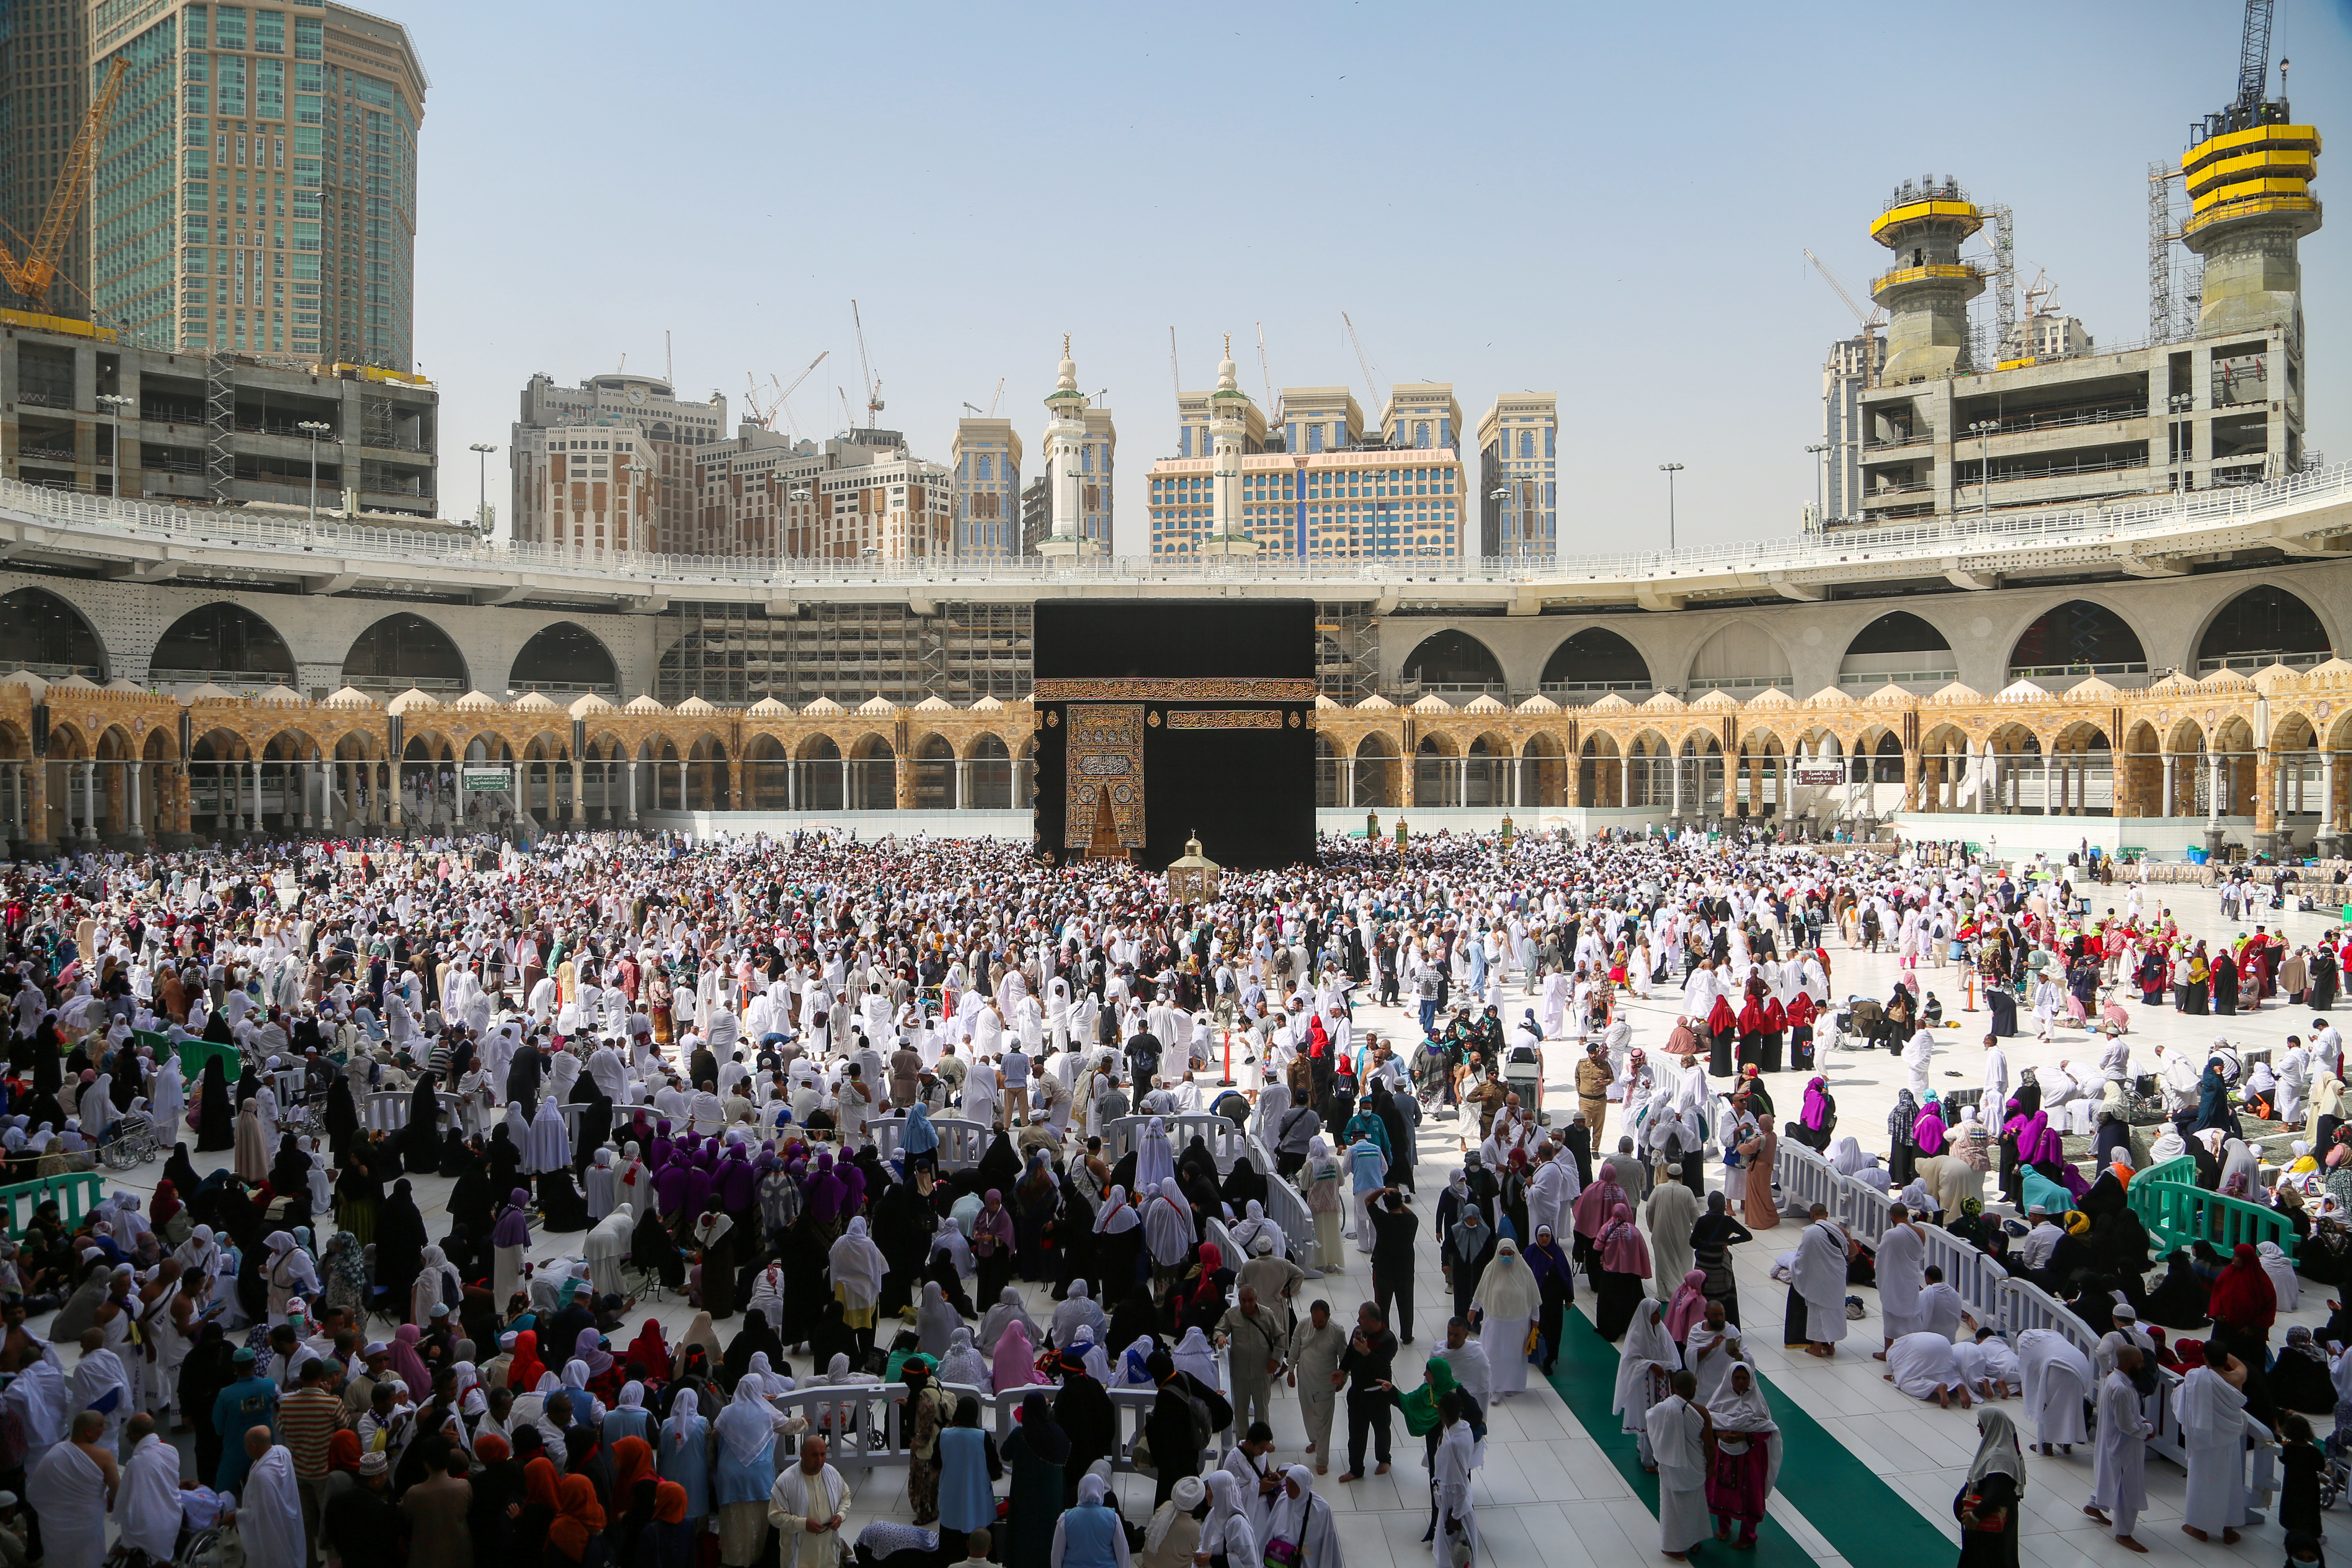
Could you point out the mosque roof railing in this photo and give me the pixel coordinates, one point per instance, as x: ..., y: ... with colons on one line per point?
x: 2307, y: 513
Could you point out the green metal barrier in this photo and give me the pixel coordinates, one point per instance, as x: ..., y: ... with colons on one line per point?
x: 194, y: 1054
x: 76, y: 1193
x: 2178, y: 1212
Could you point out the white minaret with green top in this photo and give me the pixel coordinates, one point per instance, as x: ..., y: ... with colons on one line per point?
x: 1228, y: 419
x: 1064, y: 433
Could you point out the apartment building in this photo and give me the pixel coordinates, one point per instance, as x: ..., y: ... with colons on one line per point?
x: 1370, y: 503
x: 658, y: 510
x: 1518, y: 475
x: 256, y: 184
x: 986, y: 458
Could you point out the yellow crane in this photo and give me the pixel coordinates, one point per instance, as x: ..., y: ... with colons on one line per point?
x: 32, y: 276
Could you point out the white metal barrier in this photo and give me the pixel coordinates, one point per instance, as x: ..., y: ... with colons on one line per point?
x: 2025, y: 1305
x: 1287, y: 1208
x: 1225, y: 1141
x: 387, y: 1111
x: 866, y: 1421
x: 961, y: 1144
x: 1805, y: 1179
x: 1967, y: 1270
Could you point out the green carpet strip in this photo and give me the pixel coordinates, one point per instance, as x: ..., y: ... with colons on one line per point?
x: 1864, y: 1519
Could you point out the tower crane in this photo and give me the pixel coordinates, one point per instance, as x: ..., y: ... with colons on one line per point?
x: 1869, y: 323
x: 1173, y: 373
x: 32, y: 276
x: 871, y: 384
x: 992, y: 402
x: 1370, y: 385
x: 1264, y: 370
x: 783, y: 394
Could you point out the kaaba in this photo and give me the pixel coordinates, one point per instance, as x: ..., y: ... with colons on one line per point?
x: 1162, y: 720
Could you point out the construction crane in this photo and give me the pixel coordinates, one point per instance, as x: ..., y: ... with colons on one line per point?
x: 1264, y: 370
x: 1173, y: 373
x: 1869, y: 323
x: 998, y: 398
x: 1370, y: 385
x: 32, y: 276
x: 784, y: 393
x: 872, y: 384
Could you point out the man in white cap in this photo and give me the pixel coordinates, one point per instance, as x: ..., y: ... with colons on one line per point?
x: 2033, y: 1252
x: 2125, y: 1334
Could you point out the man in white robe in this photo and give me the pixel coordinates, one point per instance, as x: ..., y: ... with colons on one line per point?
x: 807, y: 1504
x: 1678, y: 1433
x: 2125, y: 1334
x: 70, y: 1489
x: 2118, y: 1475
x: 2058, y: 1384
x: 270, y: 1515
x: 1902, y: 1274
x: 147, y: 1504
x: 99, y: 1382
x: 1916, y: 1059
x: 1921, y: 1365
x: 1941, y: 1308
x: 1817, y: 1279
x: 2213, y: 1427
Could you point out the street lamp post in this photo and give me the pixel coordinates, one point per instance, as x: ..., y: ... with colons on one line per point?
x: 314, y: 429
x: 1670, y: 471
x: 1501, y: 494
x: 1820, y: 499
x: 1982, y: 430
x: 118, y: 402
x: 638, y: 470
x: 481, y: 484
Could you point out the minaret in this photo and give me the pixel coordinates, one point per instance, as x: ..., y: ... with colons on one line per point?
x: 1926, y: 291
x: 1064, y: 432
x: 1227, y: 419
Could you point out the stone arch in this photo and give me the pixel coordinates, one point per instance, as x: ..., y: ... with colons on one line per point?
x: 43, y: 633
x: 222, y: 639
x: 1741, y: 654
x: 1542, y: 780
x: 1376, y: 772
x: 1601, y: 771
x: 1595, y: 659
x: 872, y: 773
x: 1452, y: 660
x: 1435, y: 780
x: 403, y: 651
x: 824, y: 776
x: 1487, y: 769
x: 709, y: 775
x: 2296, y: 769
x: 934, y: 764
x: 989, y: 773
x: 1897, y: 646
x: 2078, y: 638
x: 564, y: 656
x: 1650, y: 773
x: 765, y: 785
x: 2263, y: 624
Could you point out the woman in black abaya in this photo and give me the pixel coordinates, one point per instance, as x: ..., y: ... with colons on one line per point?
x: 400, y: 1240
x: 420, y: 1141
x: 216, y: 1116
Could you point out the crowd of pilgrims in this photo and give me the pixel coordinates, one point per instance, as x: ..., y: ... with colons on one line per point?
x: 731, y: 1025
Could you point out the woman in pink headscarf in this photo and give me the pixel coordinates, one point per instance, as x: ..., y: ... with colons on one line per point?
x: 1013, y: 1364
x: 406, y: 1364
x: 1617, y: 1285
x: 1689, y: 1304
x: 1929, y: 1130
x: 1593, y: 1207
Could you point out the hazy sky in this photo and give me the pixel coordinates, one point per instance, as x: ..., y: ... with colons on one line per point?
x: 1608, y: 202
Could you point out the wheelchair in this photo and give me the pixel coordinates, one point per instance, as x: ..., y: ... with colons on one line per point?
x: 133, y: 1144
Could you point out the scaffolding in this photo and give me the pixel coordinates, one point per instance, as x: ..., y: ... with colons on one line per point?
x: 2175, y: 276
x: 220, y: 424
